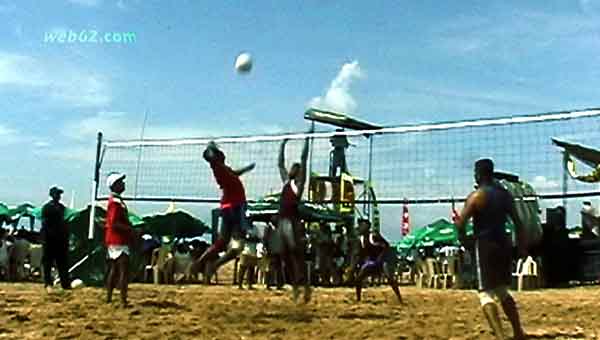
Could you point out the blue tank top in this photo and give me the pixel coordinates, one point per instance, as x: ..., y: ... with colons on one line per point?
x: 489, y: 222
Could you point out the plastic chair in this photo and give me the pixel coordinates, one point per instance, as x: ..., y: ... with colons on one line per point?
x: 433, y: 271
x: 35, y: 259
x: 526, y: 274
x: 182, y: 262
x: 450, y: 274
x: 422, y: 274
x: 160, y: 264
x: 407, y: 275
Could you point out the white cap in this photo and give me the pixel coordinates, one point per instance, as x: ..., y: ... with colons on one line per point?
x: 114, y: 178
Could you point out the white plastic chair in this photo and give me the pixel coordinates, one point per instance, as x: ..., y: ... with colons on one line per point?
x: 433, y: 272
x: 526, y: 274
x: 450, y: 274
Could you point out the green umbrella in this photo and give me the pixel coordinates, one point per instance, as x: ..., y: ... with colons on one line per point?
x: 439, y: 232
x: 37, y: 213
x: 9, y: 214
x: 443, y: 232
x: 409, y: 241
x: 264, y: 209
x: 3, y: 209
x: 177, y: 223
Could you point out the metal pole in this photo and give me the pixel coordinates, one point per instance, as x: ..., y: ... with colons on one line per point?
x: 95, y: 186
x: 565, y: 184
x: 139, y: 156
x: 370, y: 137
x: 310, y: 153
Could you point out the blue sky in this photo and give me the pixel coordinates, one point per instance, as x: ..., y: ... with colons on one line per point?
x: 413, y: 62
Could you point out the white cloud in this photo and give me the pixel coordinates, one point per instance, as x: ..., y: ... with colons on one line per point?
x: 83, y: 153
x: 117, y: 125
x: 338, y: 97
x: 127, y: 4
x: 541, y: 182
x: 88, y: 3
x: 85, y: 90
x: 20, y: 70
x: 8, y: 136
x: 41, y: 144
x: 66, y: 84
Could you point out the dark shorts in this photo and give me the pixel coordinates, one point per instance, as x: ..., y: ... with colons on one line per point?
x: 372, y: 266
x: 493, y: 263
x: 233, y: 222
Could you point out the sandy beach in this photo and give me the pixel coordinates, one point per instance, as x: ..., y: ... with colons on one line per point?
x: 225, y: 312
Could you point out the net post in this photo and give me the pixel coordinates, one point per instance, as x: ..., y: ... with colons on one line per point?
x: 95, y: 187
x: 310, y: 152
x: 369, y: 198
x: 565, y: 181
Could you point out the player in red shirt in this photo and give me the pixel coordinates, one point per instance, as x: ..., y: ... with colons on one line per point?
x: 233, y: 210
x: 290, y: 226
x: 118, y: 236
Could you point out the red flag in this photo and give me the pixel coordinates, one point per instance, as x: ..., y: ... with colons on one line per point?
x: 405, y: 221
x: 455, y: 213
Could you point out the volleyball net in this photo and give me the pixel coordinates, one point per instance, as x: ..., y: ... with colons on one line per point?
x: 418, y: 164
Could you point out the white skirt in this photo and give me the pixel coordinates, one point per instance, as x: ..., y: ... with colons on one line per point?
x: 115, y: 251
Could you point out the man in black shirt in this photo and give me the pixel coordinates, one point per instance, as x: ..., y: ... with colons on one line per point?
x: 490, y: 206
x: 55, y: 236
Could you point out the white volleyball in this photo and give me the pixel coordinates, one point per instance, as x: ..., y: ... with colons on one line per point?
x: 77, y: 283
x: 243, y: 63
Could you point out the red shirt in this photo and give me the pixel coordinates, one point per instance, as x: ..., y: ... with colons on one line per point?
x: 233, y: 189
x: 289, y: 201
x: 116, y: 212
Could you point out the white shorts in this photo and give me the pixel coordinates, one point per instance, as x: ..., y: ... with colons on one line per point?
x: 115, y: 251
x: 496, y: 294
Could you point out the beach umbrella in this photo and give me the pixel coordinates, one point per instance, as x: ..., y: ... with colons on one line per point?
x: 439, y: 232
x: 3, y: 209
x: 179, y: 223
x: 410, y: 241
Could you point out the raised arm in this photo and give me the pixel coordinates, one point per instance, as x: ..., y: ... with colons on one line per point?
x: 281, y: 162
x: 245, y: 169
x: 303, y: 161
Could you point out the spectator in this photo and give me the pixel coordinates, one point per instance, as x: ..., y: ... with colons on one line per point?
x: 55, y: 237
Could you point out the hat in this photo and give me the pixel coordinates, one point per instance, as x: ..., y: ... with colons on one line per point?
x: 55, y: 190
x: 114, y: 178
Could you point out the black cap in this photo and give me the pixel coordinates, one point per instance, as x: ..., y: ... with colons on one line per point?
x: 55, y: 190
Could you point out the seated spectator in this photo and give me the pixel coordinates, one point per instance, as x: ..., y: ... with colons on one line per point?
x: 248, y: 258
x: 5, y: 251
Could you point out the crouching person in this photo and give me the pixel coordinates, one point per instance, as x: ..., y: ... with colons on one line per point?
x: 375, y: 257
